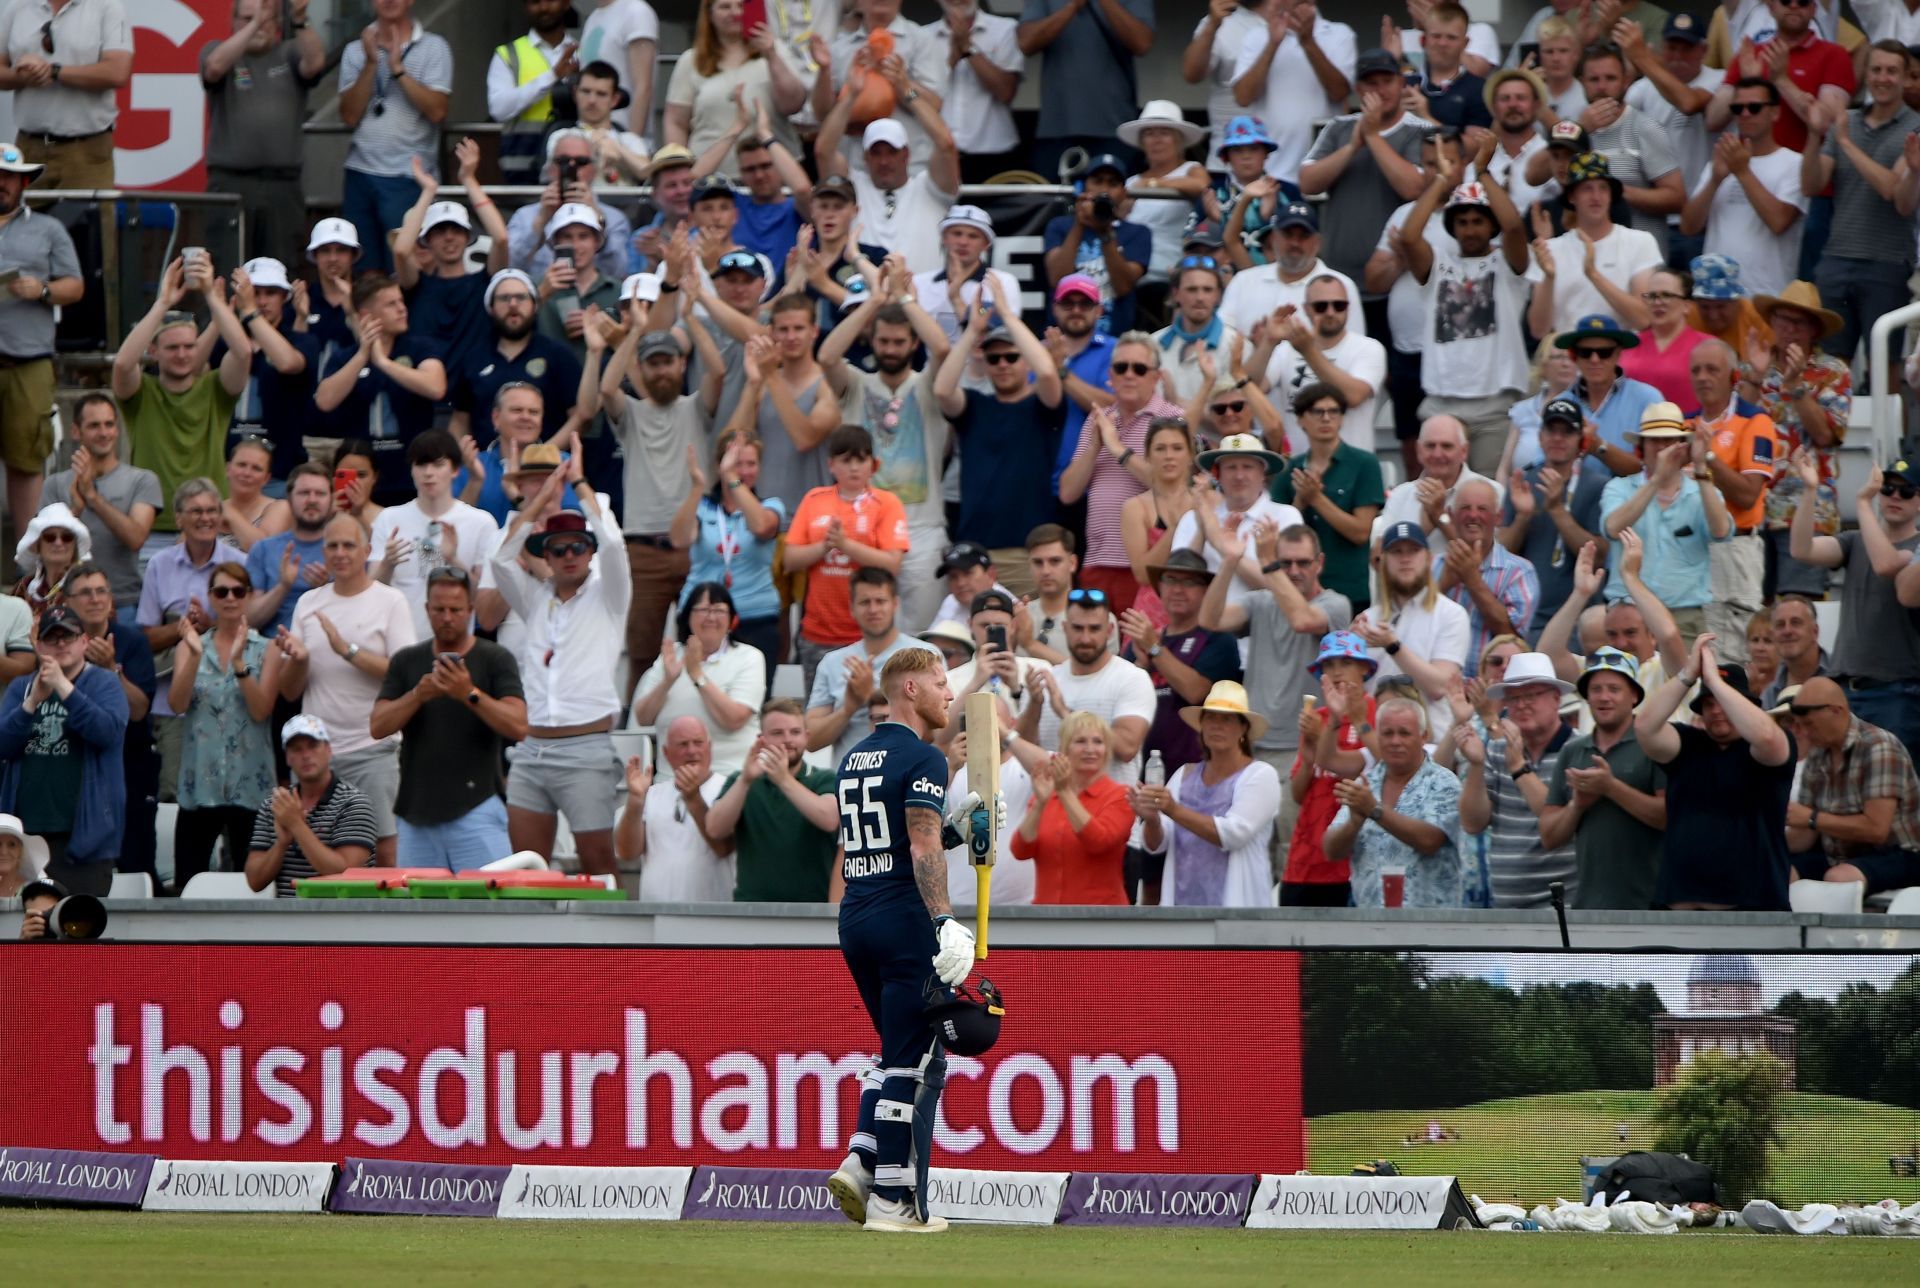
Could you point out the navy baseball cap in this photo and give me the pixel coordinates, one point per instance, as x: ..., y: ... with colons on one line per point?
x: 743, y: 261
x: 964, y: 554
x: 992, y: 601
x: 1374, y: 62
x: 62, y: 620
x: 713, y: 185
x: 1105, y: 161
x: 1295, y: 214
x: 1404, y: 530
x: 1566, y: 409
x: 1684, y: 26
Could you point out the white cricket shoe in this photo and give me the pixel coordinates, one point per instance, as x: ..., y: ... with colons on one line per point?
x: 891, y: 1217
x: 850, y: 1187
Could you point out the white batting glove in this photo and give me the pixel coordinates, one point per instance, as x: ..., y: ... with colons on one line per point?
x: 954, y: 961
x: 960, y: 822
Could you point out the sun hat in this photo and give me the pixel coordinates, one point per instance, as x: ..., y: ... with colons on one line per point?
x: 1243, y: 445
x: 1802, y: 297
x: 267, y: 274
x: 1187, y: 561
x: 564, y: 524
x: 1661, y: 420
x: 1505, y: 74
x: 1608, y: 658
x: 1524, y: 670
x: 951, y: 632
x: 1243, y: 132
x: 1717, y: 277
x: 1345, y: 644
x: 53, y: 515
x: 1596, y: 326
x: 1160, y: 114
x: 1229, y: 696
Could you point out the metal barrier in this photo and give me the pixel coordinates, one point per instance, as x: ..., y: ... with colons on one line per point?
x: 1889, y: 428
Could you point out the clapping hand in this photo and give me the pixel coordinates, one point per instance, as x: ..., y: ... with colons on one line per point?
x: 639, y: 777
x: 286, y: 810
x: 1356, y: 796
x: 1591, y: 785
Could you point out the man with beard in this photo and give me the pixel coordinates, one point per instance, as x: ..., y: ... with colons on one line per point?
x: 286, y: 365
x: 256, y: 82
x: 288, y: 564
x: 781, y: 816
x: 1411, y: 629
x: 1497, y: 587
x: 1319, y: 343
x: 1553, y: 509
x: 1514, y: 95
x: 1293, y: 261
x: 116, y: 501
x: 518, y: 354
x: 1606, y: 796
x: 1084, y: 356
x: 447, y: 298
x: 1504, y: 787
x: 1092, y: 679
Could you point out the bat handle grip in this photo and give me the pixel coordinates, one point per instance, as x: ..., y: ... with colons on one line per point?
x: 982, y: 878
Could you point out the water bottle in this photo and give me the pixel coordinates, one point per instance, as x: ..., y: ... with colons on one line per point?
x: 1155, y: 774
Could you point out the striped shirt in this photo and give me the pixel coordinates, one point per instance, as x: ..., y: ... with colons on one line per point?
x: 1871, y: 765
x: 1865, y: 224
x: 393, y: 132
x: 342, y: 816
x: 1637, y: 152
x: 1112, y: 486
x: 1519, y: 867
x: 1513, y: 582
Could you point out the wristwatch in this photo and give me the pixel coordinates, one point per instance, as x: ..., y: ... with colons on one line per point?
x: 1378, y: 810
x: 1393, y: 648
x: 1270, y: 568
x: 1813, y: 818
x: 249, y: 318
x: 700, y: 682
x: 1156, y: 650
x: 353, y: 651
x: 241, y: 672
x: 53, y: 72
x: 1522, y: 772
x: 473, y: 697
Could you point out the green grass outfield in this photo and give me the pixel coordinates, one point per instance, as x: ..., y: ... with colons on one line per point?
x: 44, y: 1247
x: 1528, y: 1149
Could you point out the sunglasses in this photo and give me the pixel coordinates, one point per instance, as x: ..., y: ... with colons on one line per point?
x: 46, y: 35
x: 1796, y: 709
x: 61, y: 537
x: 1748, y: 109
x: 1004, y: 358
x: 1098, y: 597
x: 1323, y: 306
x: 1197, y: 261
x: 1228, y: 409
x: 1657, y: 297
x: 564, y: 549
x: 228, y: 591
x: 1133, y: 368
x: 1903, y: 491
x: 1595, y: 355
x: 447, y: 572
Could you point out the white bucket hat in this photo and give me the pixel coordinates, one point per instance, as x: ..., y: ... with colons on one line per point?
x: 55, y: 515
x: 447, y: 212
x: 333, y: 231
x: 267, y: 273
x: 1524, y: 670
x: 964, y: 216
x: 1161, y: 113
x: 576, y: 212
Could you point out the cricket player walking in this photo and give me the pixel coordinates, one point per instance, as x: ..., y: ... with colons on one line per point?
x: 896, y: 930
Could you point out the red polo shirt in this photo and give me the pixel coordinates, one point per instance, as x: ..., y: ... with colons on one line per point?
x: 1810, y: 64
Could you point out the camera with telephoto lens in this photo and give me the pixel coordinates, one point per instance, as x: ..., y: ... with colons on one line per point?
x: 75, y: 916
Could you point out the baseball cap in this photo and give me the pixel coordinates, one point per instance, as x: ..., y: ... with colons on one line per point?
x: 1404, y: 530
x: 268, y: 273
x: 836, y: 185
x: 504, y: 276
x: 964, y: 216
x: 1373, y: 62
x: 61, y: 618
x: 1684, y: 26
x: 630, y: 288
x: 304, y: 726
x: 575, y: 212
x: 1567, y: 409
x: 1077, y: 284
x: 992, y: 601
x: 447, y: 212
x: 1567, y: 134
x: 714, y: 185
x: 963, y: 554
x: 1732, y: 674
x: 744, y: 261
x: 885, y: 130
x: 1105, y: 161
x: 1295, y: 214
x: 996, y: 335
x: 1905, y: 471
x: 657, y: 342
x: 333, y: 231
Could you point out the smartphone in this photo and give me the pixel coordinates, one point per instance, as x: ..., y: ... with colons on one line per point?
x: 1411, y: 79
x: 1529, y: 54
x: 997, y: 637
x: 752, y: 14
x: 451, y: 659
x: 563, y: 254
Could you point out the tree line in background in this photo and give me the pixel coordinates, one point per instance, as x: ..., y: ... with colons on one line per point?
x: 1865, y: 1043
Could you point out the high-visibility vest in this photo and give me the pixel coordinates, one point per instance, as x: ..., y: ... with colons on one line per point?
x: 527, y: 63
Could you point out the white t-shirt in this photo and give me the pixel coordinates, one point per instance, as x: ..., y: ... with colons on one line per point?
x: 1117, y: 690
x: 1186, y: 535
x: 1437, y: 634
x: 1510, y: 172
x: 1012, y: 881
x: 1686, y: 135
x: 604, y: 37
x: 1357, y: 356
x: 1406, y: 309
x: 1221, y: 105
x: 1403, y: 503
x: 1164, y: 217
x: 474, y: 535
x: 340, y: 693
x: 740, y: 672
x: 1253, y: 295
x: 961, y: 676
x: 981, y: 124
x: 1619, y: 255
x: 1768, y: 260
x: 1181, y: 362
x: 1294, y: 103
x: 1472, y: 329
x: 680, y: 865
x: 906, y: 220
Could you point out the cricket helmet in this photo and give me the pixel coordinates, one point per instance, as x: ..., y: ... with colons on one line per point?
x: 968, y: 1023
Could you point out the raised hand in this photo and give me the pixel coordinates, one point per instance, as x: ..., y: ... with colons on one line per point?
x: 697, y: 477
x: 639, y: 776
x: 1520, y: 492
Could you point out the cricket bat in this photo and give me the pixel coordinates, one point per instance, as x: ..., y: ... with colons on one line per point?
x: 983, y: 776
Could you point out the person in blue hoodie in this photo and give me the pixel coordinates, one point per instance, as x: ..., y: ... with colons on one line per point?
x: 61, y: 731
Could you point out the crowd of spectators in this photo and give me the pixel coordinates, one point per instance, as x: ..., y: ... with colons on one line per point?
x: 379, y: 540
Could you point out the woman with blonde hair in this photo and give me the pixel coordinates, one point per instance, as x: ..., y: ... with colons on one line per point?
x: 1076, y: 825
x: 1399, y: 822
x: 717, y: 84
x: 731, y: 535
x: 1551, y: 375
x: 1214, y: 818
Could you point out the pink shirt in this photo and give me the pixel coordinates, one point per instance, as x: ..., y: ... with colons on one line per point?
x: 1668, y: 370
x: 1112, y: 486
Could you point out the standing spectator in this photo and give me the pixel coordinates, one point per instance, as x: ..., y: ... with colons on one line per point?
x: 844, y: 679
x: 1293, y: 263
x: 123, y: 648
x: 778, y: 194
x: 1317, y: 343
x: 1234, y: 500
x: 711, y: 676
x: 1214, y: 817
x: 274, y: 406
x: 620, y: 152
x: 65, y: 64
x: 1339, y: 488
x: 1741, y: 454
x: 1473, y: 360
x: 385, y: 389
x: 249, y: 514
x: 985, y: 66
x: 223, y: 685
x: 1194, y: 329
x: 1808, y: 395
x: 446, y: 297
x: 1504, y: 790
x: 1802, y: 62
x: 1296, y: 68
x: 1078, y: 819
x: 1184, y: 659
x: 1558, y: 54
x: 1365, y: 163
x: 1053, y: 563
x: 1498, y: 588
x: 1606, y: 796
x: 1098, y: 242
x: 177, y: 420
x: 785, y: 398
x: 838, y: 531
x: 663, y: 826
x: 1763, y: 657
x: 730, y: 535
x: 1663, y: 358
x: 1553, y: 509
x: 61, y: 733
x: 1401, y: 818
x: 1452, y: 95
x: 966, y: 237
x: 395, y: 83
x: 571, y: 173
x: 1796, y: 634
x: 1412, y: 629
x: 117, y: 502
x: 914, y: 65
x: 1163, y: 135
x: 574, y: 284
x: 900, y: 206
x: 1516, y: 97
x: 343, y: 639
x: 1749, y: 202
x: 1330, y: 749
x: 1856, y: 812
x: 1676, y: 511
x: 322, y: 307
x: 1875, y: 173
x: 1147, y: 521
x: 625, y: 35
x: 780, y: 815
x: 457, y: 702
x: 670, y: 173
x: 1091, y: 679
x: 256, y: 82
x: 1594, y: 267
x: 521, y: 78
x: 1106, y: 468
x: 1443, y: 472
x: 434, y: 530
x: 287, y: 565
x: 1210, y: 57
x: 725, y: 67
x: 516, y: 354
x: 1084, y: 354
x: 47, y: 275
x: 1088, y: 82
x: 317, y: 827
x: 575, y: 615
x: 1641, y: 156
x: 174, y: 599
x: 1728, y: 783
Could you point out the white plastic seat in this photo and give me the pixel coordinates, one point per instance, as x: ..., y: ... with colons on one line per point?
x: 131, y: 885
x: 1826, y: 896
x: 520, y: 861
x: 223, y: 885
x: 1906, y: 903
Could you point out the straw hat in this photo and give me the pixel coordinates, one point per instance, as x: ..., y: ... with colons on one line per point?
x: 1230, y: 697
x: 1801, y: 296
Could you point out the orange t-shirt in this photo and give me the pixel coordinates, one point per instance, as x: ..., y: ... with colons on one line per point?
x: 1081, y: 867
x: 874, y: 518
x: 1745, y: 441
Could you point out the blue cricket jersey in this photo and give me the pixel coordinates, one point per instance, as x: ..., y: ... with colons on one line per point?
x: 888, y: 772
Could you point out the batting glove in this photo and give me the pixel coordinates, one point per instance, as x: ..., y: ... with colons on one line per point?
x: 959, y: 826
x: 955, y: 959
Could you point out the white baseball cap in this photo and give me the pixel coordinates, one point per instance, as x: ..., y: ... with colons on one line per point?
x: 304, y: 726
x: 447, y: 212
x: 968, y: 217
x: 630, y: 289
x: 885, y: 130
x: 333, y: 231
x: 507, y: 275
x: 269, y: 273
x: 575, y: 212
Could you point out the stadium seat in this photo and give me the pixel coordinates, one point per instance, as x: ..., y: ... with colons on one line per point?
x: 223, y: 885
x: 521, y: 861
x: 1826, y: 896
x: 1826, y: 616
x: 1906, y: 903
x: 131, y: 885
x: 789, y: 681
x: 630, y: 742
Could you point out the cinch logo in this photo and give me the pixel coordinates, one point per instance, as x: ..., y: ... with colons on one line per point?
x: 930, y: 788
